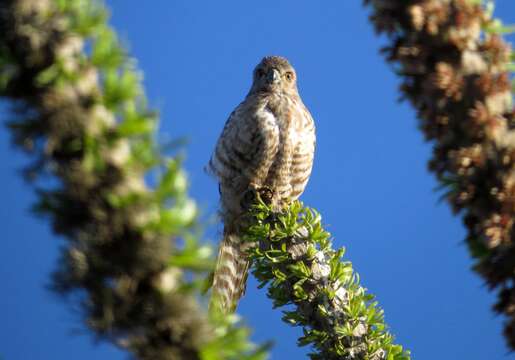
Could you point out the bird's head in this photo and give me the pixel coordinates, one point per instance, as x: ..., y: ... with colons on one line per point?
x: 274, y: 74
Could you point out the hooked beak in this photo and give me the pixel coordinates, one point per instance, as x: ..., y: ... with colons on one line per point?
x: 273, y: 76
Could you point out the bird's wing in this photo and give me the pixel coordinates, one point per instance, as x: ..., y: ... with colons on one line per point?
x: 302, y: 160
x: 247, y: 145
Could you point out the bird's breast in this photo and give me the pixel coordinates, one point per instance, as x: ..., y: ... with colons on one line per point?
x: 287, y: 117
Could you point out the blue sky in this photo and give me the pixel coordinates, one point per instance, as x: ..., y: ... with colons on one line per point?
x: 369, y: 179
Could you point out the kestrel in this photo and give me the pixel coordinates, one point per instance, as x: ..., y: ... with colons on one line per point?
x: 268, y: 142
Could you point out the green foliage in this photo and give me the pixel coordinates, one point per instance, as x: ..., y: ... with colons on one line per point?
x: 294, y: 258
x: 231, y: 341
x: 133, y: 251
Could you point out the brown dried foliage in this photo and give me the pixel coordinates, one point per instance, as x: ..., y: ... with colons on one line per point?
x: 454, y: 75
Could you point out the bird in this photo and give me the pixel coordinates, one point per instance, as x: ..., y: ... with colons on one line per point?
x: 267, y: 144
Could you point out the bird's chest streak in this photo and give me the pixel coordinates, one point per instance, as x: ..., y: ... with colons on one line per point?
x: 279, y: 174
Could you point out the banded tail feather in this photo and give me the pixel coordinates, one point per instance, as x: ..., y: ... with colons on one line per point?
x: 230, y: 275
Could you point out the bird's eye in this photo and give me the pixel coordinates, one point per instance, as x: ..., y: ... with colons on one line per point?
x: 289, y: 76
x: 260, y: 73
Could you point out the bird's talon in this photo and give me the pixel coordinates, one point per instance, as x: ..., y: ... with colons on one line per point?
x: 266, y: 195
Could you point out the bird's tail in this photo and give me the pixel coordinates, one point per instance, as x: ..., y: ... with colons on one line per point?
x: 230, y: 273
